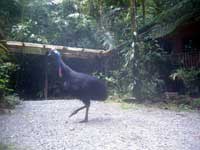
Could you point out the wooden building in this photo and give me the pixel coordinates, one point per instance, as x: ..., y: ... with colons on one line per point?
x: 178, y: 32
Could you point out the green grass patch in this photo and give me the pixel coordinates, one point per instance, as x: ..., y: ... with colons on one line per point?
x: 125, y: 102
x: 127, y: 106
x: 174, y: 107
x: 196, y: 103
x: 6, y: 147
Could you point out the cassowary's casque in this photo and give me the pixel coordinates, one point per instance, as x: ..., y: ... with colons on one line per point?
x: 80, y: 85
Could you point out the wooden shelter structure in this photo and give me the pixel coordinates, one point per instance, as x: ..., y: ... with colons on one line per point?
x: 42, y: 49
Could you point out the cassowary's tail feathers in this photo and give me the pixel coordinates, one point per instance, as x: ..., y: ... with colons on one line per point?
x: 99, y: 91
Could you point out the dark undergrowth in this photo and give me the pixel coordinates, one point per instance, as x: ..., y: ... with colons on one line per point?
x: 9, y: 102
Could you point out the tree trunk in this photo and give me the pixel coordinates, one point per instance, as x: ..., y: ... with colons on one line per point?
x: 143, y: 11
x: 135, y: 49
x: 100, y: 12
x: 91, y: 8
x: 133, y: 15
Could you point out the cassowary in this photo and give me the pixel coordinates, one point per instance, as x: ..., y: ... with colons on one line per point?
x: 79, y: 85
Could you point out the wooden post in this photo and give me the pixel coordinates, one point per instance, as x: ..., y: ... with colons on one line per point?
x: 106, y: 67
x: 46, y: 79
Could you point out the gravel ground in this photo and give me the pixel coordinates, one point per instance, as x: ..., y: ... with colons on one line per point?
x: 44, y: 125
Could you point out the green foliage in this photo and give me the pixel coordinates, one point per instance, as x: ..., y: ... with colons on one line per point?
x: 6, y: 70
x: 148, y: 69
x: 162, y: 5
x: 9, y: 15
x: 119, y: 3
x: 118, y: 81
x: 140, y: 66
x: 171, y: 15
x: 62, y: 24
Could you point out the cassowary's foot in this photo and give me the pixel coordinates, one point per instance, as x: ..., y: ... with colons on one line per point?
x: 76, y: 111
x: 72, y: 114
x: 83, y: 121
x: 86, y: 115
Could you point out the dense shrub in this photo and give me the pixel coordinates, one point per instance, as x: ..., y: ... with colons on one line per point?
x: 150, y: 71
x: 6, y: 70
x: 190, y: 78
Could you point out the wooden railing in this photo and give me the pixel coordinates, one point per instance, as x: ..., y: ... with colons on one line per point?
x: 187, y: 59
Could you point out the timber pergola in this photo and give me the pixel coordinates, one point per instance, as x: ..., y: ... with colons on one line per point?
x: 41, y: 49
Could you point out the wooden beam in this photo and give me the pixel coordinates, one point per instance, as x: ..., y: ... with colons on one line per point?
x: 41, y: 49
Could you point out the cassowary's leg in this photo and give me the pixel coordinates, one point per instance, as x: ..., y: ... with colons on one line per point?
x: 77, y: 110
x: 87, y: 105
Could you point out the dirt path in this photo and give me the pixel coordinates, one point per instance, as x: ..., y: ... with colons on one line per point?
x: 44, y: 125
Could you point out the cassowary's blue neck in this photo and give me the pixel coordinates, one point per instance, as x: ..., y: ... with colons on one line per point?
x: 64, y: 68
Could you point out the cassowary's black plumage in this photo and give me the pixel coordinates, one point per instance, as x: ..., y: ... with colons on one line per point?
x: 80, y: 85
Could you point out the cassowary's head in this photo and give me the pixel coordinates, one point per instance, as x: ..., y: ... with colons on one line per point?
x: 57, y: 56
x: 54, y: 53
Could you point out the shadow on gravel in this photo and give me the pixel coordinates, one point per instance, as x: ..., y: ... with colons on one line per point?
x: 97, y: 121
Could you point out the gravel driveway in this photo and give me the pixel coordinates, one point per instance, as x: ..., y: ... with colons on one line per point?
x: 44, y: 125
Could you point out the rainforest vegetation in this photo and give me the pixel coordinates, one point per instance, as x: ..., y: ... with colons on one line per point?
x: 133, y: 30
